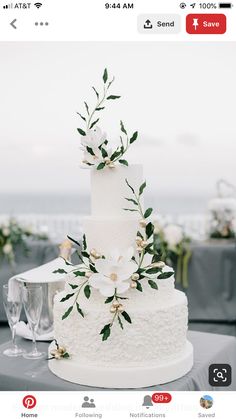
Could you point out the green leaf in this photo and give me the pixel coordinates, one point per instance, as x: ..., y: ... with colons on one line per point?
x: 139, y: 286
x: 87, y: 108
x: 100, y: 109
x: 67, y: 297
x: 79, y: 310
x: 124, y: 162
x: 120, y: 323
x: 105, y: 76
x: 116, y: 154
x: 106, y: 331
x: 101, y: 166
x: 149, y: 230
x: 81, y: 116
x: 94, y: 123
x: 66, y: 355
x: 92, y: 268
x: 106, y: 334
x: 74, y: 241
x: 129, y: 209
x: 107, y: 326
x: 85, y: 255
x: 96, y: 92
x: 134, y: 137
x: 149, y: 249
x: 109, y: 300
x: 165, y: 275
x: 73, y: 286
x: 90, y: 151
x: 126, y: 316
x: 140, y: 235
x: 142, y: 187
x: 123, y: 128
x: 87, y: 291
x: 113, y: 97
x: 122, y: 298
x: 132, y: 200
x: 67, y: 313
x: 153, y: 284
x: 60, y: 271
x: 148, y: 212
x: 156, y: 258
x: 82, y: 132
x: 79, y: 273
x: 84, y: 242
x: 67, y: 263
x: 104, y: 152
x: 127, y: 183
x: 153, y: 271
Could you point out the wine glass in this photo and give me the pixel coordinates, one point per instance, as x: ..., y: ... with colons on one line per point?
x: 33, y: 303
x: 13, y: 308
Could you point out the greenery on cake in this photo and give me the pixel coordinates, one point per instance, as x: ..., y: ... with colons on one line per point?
x: 94, y: 142
x: 114, y: 274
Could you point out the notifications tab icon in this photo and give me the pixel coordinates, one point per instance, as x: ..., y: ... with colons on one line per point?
x: 206, y: 24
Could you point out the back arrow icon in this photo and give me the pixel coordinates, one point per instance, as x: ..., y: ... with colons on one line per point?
x: 13, y: 23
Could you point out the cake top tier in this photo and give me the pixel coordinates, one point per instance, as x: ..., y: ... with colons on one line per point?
x: 109, y: 190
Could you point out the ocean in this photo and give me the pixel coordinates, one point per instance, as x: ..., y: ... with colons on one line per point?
x: 13, y: 204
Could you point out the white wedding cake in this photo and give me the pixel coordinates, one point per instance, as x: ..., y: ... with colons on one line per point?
x: 120, y: 322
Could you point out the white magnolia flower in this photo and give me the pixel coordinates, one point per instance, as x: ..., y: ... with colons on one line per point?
x: 94, y: 138
x: 114, y: 273
x: 7, y: 249
x: 173, y: 234
x: 6, y: 231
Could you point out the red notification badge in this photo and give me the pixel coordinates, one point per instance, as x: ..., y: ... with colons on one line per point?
x: 161, y: 398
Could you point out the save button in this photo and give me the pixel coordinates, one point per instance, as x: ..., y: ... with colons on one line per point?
x: 206, y: 24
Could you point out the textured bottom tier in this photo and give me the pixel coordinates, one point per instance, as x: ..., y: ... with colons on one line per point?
x: 135, y: 377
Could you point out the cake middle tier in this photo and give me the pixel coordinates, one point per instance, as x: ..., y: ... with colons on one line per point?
x: 109, y: 190
x: 107, y: 233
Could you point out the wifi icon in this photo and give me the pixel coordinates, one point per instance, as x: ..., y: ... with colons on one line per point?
x: 38, y: 5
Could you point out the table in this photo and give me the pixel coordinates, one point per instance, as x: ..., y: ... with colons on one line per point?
x: 212, y: 282
x: 40, y: 252
x: 25, y: 375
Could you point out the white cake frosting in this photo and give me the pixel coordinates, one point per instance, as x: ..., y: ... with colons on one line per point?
x: 106, y: 233
x: 157, y: 333
x: 151, y: 350
x: 109, y: 190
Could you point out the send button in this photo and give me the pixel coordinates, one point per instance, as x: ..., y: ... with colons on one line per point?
x: 159, y: 24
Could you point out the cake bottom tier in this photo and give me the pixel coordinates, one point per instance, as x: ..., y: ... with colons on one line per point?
x: 150, y: 351
x: 77, y: 372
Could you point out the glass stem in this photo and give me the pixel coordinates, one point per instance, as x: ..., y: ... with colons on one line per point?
x: 34, y: 339
x: 14, y: 336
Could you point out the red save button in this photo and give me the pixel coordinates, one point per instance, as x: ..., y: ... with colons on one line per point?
x: 206, y: 24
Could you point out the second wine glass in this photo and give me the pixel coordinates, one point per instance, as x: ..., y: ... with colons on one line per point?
x: 33, y: 303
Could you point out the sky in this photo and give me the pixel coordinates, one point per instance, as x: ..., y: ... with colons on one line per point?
x: 180, y: 97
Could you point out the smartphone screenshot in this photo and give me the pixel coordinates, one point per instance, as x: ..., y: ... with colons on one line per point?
x: 117, y: 209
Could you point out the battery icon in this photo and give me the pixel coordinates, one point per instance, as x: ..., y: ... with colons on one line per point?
x: 225, y: 5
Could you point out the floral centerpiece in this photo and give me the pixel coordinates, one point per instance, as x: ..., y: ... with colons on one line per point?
x: 173, y: 245
x: 13, y: 234
x: 222, y: 212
